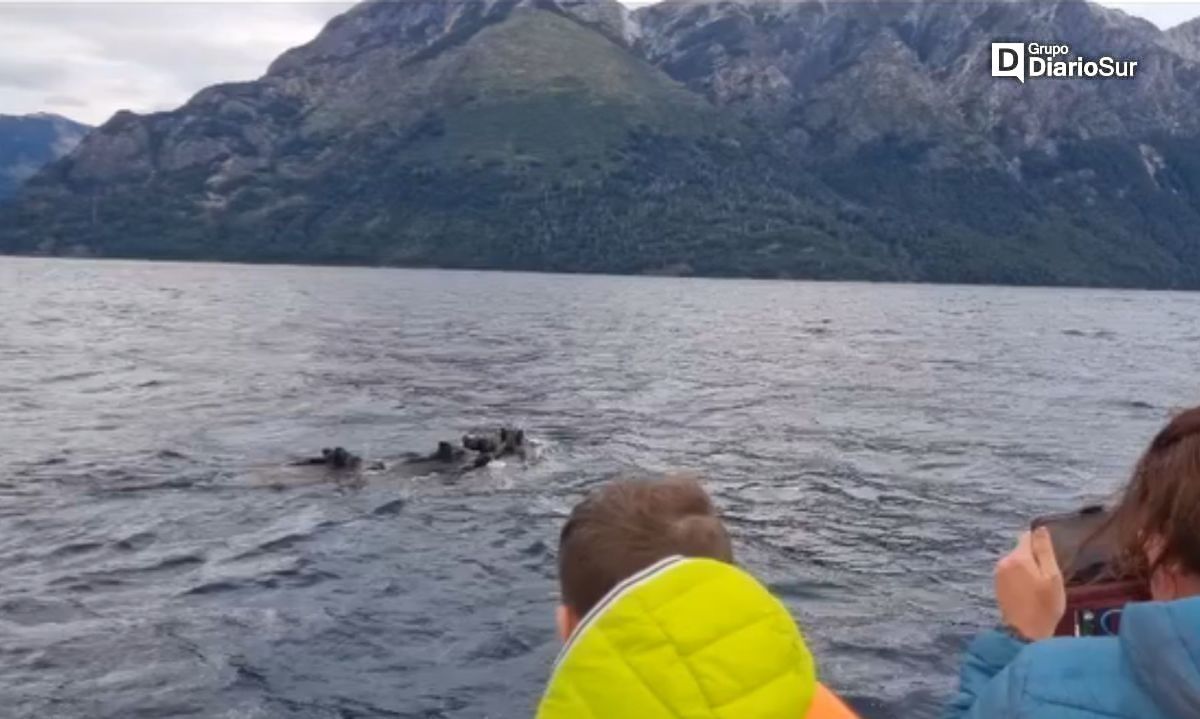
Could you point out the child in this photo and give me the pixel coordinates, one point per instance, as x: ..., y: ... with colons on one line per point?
x: 659, y: 623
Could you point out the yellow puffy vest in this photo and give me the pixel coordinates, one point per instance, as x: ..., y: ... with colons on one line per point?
x: 684, y: 639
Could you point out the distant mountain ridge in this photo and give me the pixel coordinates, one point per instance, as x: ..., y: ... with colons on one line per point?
x: 1185, y: 39
x: 29, y: 142
x: 854, y: 139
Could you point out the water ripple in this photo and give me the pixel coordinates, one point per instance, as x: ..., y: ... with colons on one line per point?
x: 874, y: 448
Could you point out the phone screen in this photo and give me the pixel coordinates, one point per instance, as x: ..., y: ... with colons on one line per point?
x: 1095, y: 610
x: 1084, y: 544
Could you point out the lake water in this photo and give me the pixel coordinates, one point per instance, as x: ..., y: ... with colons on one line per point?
x: 873, y: 447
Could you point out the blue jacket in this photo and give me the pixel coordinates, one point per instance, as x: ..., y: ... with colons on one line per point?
x: 1151, y: 671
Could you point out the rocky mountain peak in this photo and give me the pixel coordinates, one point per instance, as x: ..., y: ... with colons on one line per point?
x: 1185, y: 39
x: 416, y: 26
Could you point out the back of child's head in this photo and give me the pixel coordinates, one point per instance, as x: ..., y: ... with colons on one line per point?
x: 631, y: 524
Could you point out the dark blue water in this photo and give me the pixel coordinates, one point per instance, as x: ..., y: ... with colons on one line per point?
x: 874, y: 449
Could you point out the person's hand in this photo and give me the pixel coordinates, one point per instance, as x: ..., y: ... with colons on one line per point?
x: 1029, y: 587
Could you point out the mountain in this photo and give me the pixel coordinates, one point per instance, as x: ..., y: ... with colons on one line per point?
x: 980, y: 179
x: 1185, y: 39
x: 826, y: 139
x: 28, y: 142
x: 844, y: 74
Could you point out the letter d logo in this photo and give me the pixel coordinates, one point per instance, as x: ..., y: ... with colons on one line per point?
x: 1008, y: 60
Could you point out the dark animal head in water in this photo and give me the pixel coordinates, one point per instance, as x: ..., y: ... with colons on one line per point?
x: 445, y: 452
x: 479, y: 443
x: 504, y: 441
x: 511, y: 438
x: 340, y: 458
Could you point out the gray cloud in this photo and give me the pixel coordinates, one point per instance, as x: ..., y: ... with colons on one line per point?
x: 145, y: 56
x: 29, y: 75
x: 141, y: 56
x: 64, y: 101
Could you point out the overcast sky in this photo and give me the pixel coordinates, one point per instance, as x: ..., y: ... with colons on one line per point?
x: 87, y: 59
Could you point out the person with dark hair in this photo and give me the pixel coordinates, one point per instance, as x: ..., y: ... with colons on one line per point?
x: 1151, y: 669
x: 659, y: 624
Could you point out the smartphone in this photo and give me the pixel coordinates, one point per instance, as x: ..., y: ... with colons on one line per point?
x: 1085, y: 545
